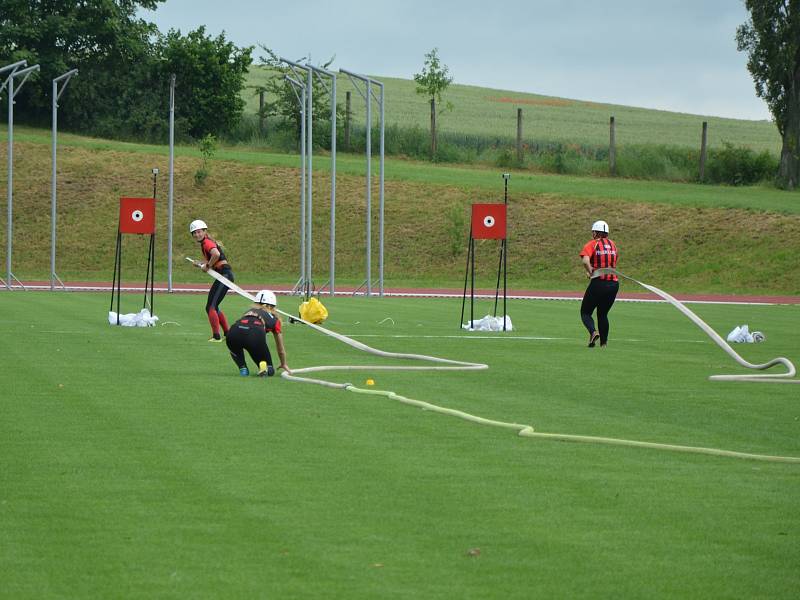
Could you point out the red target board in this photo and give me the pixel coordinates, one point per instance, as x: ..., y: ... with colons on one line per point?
x: 489, y: 221
x: 137, y: 215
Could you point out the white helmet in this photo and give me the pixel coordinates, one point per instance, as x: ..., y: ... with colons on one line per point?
x: 600, y: 226
x: 266, y: 297
x: 197, y: 224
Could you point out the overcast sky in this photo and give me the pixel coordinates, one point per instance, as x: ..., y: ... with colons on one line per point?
x: 677, y: 55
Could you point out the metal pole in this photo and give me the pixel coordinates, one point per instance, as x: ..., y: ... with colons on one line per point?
x: 302, y: 281
x: 171, y: 188
x: 306, y: 132
x: 333, y: 184
x: 53, y: 192
x: 53, y: 213
x: 380, y: 236
x: 306, y: 116
x: 332, y: 92
x: 9, y: 81
x: 472, y: 285
x: 309, y: 174
x: 369, y: 187
x: 368, y: 99
x: 12, y: 67
x: 466, y: 276
x: 10, y: 183
x: 10, y: 187
x: 504, y: 250
x: 505, y: 281
x: 301, y: 99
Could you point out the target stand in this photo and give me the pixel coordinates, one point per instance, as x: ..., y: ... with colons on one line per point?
x: 488, y: 223
x: 136, y: 215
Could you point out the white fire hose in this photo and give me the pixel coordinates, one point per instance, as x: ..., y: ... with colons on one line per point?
x: 762, y: 377
x: 521, y: 429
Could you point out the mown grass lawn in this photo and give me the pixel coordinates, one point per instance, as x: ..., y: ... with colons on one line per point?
x: 136, y: 462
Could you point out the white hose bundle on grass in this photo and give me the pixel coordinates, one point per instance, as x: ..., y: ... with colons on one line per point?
x: 758, y: 377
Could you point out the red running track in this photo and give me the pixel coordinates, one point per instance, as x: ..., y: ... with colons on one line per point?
x: 343, y: 290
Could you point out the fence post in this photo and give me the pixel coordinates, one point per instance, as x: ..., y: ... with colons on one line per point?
x: 519, y: 136
x: 612, y: 149
x: 347, y: 115
x: 703, y: 150
x: 261, y: 112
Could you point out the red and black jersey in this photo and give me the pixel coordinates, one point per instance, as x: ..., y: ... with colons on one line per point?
x: 262, y: 318
x: 209, y: 244
x: 602, y: 254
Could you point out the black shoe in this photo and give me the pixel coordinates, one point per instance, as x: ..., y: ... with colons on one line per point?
x: 265, y: 370
x: 593, y: 339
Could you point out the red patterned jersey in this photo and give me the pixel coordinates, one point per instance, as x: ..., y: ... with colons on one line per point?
x: 602, y: 254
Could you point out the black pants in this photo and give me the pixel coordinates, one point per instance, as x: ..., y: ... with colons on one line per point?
x: 218, y: 290
x: 599, y: 295
x: 248, y: 334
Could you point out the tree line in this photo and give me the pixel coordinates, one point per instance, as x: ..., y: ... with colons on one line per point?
x: 125, y: 64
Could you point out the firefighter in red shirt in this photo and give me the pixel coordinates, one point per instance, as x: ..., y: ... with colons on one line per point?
x: 250, y: 333
x: 598, y: 253
x: 214, y: 259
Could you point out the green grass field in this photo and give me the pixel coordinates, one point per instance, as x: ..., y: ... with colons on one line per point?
x: 137, y: 463
x: 467, y: 177
x: 493, y: 113
x: 250, y: 200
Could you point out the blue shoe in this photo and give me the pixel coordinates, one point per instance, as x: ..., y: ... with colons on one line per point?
x: 244, y: 372
x: 270, y: 371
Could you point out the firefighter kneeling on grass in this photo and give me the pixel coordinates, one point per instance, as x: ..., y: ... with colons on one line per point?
x: 250, y: 333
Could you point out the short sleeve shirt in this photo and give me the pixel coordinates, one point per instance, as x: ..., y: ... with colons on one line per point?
x: 602, y: 254
x: 270, y: 321
x: 207, y: 245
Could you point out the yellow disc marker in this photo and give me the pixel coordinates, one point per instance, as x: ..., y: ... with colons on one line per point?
x: 370, y: 382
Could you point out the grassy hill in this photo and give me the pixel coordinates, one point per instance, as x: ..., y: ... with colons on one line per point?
x: 685, y: 238
x: 492, y: 113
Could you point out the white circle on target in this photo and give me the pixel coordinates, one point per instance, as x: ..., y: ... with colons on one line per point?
x: 488, y: 221
x: 137, y: 215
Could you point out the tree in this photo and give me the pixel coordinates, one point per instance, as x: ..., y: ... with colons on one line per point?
x: 771, y: 38
x: 124, y: 68
x: 432, y: 82
x: 104, y: 40
x: 210, y: 74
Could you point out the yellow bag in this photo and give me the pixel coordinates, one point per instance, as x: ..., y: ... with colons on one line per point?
x: 313, y: 311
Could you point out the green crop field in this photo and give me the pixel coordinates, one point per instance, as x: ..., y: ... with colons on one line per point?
x: 493, y: 113
x: 138, y: 463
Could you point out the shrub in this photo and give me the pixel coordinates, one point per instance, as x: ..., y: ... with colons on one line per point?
x: 455, y: 228
x: 648, y: 161
x: 738, y: 165
x: 208, y: 147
